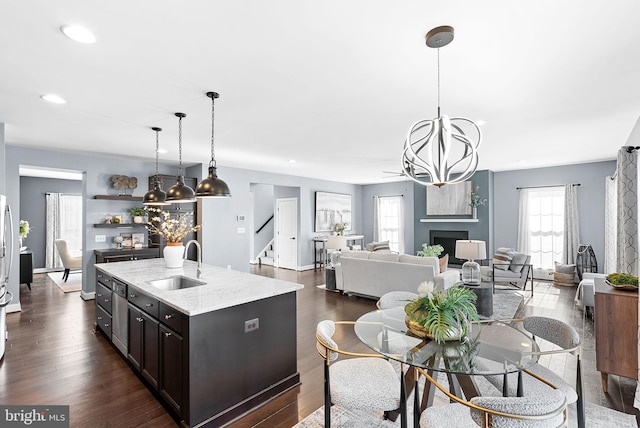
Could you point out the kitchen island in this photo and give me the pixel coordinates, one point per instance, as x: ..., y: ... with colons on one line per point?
x: 213, y: 350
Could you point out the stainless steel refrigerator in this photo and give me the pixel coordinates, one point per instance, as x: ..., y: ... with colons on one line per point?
x: 6, y: 260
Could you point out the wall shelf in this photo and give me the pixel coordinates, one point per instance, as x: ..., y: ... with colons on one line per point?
x: 448, y: 220
x: 119, y: 198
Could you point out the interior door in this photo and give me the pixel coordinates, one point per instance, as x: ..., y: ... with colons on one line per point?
x: 287, y: 233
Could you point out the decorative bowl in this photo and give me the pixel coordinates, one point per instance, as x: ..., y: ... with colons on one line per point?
x: 622, y: 286
x: 418, y: 329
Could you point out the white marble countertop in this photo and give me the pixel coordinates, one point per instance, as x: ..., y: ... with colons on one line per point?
x: 224, y: 287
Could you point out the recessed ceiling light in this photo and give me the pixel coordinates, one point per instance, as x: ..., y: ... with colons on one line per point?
x: 162, y: 151
x: 53, y: 98
x: 481, y: 122
x: 78, y: 33
x: 291, y: 161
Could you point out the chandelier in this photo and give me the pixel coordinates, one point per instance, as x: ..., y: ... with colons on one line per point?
x: 431, y: 142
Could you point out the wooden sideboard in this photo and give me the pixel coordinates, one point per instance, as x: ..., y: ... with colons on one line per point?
x: 616, y: 327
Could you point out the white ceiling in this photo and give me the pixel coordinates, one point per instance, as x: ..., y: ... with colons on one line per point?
x: 333, y: 84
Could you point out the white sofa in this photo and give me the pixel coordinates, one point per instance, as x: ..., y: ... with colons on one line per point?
x: 373, y: 274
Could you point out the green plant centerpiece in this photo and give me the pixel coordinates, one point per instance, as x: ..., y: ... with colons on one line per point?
x: 441, y: 315
x: 137, y: 212
x: 430, y: 250
x: 622, y: 280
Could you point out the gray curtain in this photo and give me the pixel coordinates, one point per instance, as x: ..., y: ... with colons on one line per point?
x: 52, y: 260
x: 610, y: 224
x: 627, y: 216
x: 571, y: 224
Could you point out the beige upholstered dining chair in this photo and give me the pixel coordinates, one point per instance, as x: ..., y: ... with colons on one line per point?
x: 360, y: 381
x: 541, y: 411
x: 68, y: 261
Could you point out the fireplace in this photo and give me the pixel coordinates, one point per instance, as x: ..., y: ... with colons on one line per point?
x: 448, y: 238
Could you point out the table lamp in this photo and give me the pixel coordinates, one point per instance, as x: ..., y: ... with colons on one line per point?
x: 337, y: 244
x: 471, y: 250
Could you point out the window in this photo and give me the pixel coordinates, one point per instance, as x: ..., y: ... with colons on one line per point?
x: 389, y: 224
x: 541, y: 231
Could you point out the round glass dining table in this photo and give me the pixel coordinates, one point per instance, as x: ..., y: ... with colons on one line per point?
x: 491, y: 348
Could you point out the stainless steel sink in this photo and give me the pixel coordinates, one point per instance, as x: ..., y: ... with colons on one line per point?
x: 176, y: 282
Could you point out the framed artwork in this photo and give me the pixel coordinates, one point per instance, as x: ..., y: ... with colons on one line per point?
x: 450, y: 199
x: 137, y: 239
x: 332, y: 208
x: 126, y: 240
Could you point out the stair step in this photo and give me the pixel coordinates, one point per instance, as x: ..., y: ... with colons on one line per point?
x: 269, y: 253
x: 266, y: 261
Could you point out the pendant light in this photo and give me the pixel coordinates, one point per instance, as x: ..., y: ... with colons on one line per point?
x: 180, y: 192
x: 212, y: 186
x: 427, y: 156
x: 156, y: 196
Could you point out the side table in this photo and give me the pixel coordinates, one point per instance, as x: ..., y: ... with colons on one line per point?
x: 330, y: 277
x: 484, y: 292
x: 26, y: 267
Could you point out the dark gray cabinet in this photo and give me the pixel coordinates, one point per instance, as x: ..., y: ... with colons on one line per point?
x: 103, y: 303
x: 171, y: 368
x: 125, y: 254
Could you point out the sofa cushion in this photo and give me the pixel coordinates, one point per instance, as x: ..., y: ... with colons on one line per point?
x: 378, y: 246
x: 502, y: 258
x: 486, y: 272
x: 417, y: 260
x: 517, y: 262
x: 387, y: 257
x: 356, y: 254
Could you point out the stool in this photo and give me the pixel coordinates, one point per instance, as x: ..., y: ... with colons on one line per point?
x: 484, y: 301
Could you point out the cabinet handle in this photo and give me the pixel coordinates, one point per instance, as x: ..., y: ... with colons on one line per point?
x: 132, y: 296
x: 167, y: 334
x: 107, y: 300
x: 148, y: 305
x: 139, y: 319
x: 168, y: 316
x: 107, y: 324
x: 99, y: 318
x: 99, y: 295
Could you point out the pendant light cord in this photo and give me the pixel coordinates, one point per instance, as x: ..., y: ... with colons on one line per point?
x: 438, y: 82
x: 157, y: 154
x: 180, y: 171
x: 212, y: 162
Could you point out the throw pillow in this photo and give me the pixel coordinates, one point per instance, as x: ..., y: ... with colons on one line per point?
x: 502, y: 258
x: 377, y: 246
x: 444, y: 261
x: 561, y: 268
x: 517, y: 261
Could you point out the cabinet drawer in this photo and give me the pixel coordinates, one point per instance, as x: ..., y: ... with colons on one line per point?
x: 103, y: 297
x: 103, y: 279
x: 172, y: 318
x: 103, y: 320
x: 143, y: 301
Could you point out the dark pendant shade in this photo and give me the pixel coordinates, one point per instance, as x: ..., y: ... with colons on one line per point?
x: 180, y: 192
x: 212, y: 186
x: 156, y: 196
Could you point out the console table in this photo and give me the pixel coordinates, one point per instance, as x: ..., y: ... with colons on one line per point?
x: 616, y: 328
x: 319, y: 262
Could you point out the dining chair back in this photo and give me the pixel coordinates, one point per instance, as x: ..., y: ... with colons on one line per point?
x: 68, y: 261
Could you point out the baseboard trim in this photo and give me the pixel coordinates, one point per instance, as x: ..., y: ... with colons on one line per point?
x: 87, y: 296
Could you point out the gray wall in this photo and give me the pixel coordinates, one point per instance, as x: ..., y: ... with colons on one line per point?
x: 223, y: 246
x: 33, y: 208
x: 2, y: 160
x: 404, y: 188
x: 482, y: 230
x: 591, y: 177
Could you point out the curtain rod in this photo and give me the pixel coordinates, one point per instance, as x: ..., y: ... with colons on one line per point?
x: 66, y: 194
x: 540, y: 187
x: 387, y: 196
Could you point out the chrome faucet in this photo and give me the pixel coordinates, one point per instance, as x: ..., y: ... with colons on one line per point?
x: 199, y: 251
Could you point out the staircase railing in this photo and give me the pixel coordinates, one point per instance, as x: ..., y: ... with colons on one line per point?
x: 265, y: 224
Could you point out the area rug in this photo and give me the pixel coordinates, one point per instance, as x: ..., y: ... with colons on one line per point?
x: 74, y: 283
x: 595, y: 416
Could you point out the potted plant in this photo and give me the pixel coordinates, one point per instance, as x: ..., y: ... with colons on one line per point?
x: 173, y: 230
x: 475, y: 200
x: 441, y: 315
x: 340, y: 228
x: 430, y: 250
x: 24, y: 230
x: 137, y: 214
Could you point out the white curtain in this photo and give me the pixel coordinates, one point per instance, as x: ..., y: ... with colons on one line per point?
x: 376, y: 217
x: 610, y: 224
x: 571, y: 224
x: 524, y: 244
x: 64, y: 221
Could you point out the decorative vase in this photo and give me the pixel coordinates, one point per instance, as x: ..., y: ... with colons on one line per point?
x: 475, y: 212
x: 418, y: 329
x: 173, y: 255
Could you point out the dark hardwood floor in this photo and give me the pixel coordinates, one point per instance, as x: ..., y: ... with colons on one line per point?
x: 53, y: 357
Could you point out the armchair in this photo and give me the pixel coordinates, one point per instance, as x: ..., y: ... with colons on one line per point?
x: 68, y: 261
x: 515, y: 272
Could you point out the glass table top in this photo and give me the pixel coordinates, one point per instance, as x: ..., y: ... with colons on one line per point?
x: 492, y: 347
